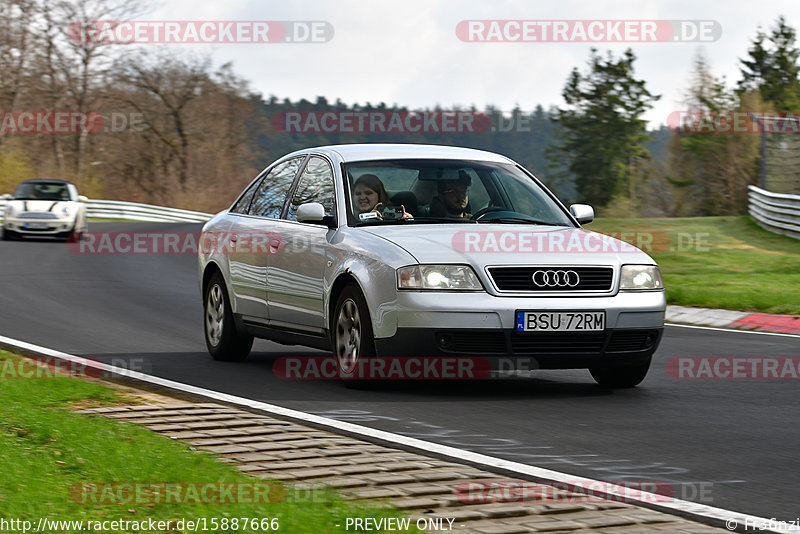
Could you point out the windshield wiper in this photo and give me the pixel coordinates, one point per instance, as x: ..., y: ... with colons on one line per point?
x: 520, y: 220
x: 445, y: 220
x: 378, y: 222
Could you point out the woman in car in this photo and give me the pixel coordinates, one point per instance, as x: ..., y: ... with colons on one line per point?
x: 369, y: 194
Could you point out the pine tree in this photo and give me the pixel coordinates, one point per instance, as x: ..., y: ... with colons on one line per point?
x: 602, y: 130
x: 772, y: 67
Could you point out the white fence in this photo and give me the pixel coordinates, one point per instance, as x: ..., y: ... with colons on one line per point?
x: 775, y: 212
x: 131, y: 211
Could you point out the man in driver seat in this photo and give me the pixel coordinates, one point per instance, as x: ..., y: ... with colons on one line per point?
x: 454, y: 196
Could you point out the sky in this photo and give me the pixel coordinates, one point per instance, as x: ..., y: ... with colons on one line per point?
x: 408, y: 53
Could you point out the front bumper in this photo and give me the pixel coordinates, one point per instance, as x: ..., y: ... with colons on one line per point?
x: 39, y: 226
x: 482, y: 325
x: 568, y: 350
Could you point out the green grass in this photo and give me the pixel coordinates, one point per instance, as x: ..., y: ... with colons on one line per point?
x: 45, y: 450
x: 718, y: 262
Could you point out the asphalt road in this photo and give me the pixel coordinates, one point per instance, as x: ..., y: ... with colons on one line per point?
x: 726, y: 443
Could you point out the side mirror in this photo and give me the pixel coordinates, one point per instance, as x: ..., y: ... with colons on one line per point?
x: 310, y: 212
x: 584, y: 213
x: 82, y: 198
x: 6, y: 197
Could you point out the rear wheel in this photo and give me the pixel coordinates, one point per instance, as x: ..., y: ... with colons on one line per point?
x: 353, y: 342
x: 223, y: 340
x: 626, y: 376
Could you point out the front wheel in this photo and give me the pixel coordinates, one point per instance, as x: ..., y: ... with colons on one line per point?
x: 626, y: 376
x: 353, y: 342
x: 9, y: 235
x: 223, y: 340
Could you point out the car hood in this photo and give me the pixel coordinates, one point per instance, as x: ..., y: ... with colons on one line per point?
x: 38, y: 205
x: 509, y: 244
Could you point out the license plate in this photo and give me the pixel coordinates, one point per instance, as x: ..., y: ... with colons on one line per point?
x: 36, y: 226
x: 560, y: 321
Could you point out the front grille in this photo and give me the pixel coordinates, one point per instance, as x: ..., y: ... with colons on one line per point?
x: 557, y: 343
x: 37, y: 215
x: 521, y: 278
x: 632, y: 340
x: 473, y: 342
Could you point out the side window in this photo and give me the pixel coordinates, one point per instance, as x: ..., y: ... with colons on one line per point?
x: 271, y: 193
x: 315, y: 185
x: 243, y: 204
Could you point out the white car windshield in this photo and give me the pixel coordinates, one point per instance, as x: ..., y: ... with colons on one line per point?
x: 432, y: 191
x: 42, y: 191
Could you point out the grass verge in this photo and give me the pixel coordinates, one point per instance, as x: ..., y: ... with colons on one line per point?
x: 51, y: 457
x: 717, y: 262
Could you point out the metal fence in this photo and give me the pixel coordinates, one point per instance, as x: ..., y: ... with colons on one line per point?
x: 776, y: 212
x: 132, y: 211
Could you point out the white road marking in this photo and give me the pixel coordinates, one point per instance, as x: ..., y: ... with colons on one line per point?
x: 702, y: 512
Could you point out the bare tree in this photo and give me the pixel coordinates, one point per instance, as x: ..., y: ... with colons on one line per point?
x: 75, y: 67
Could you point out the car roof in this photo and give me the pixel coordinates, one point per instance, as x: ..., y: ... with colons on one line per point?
x: 372, y: 151
x: 44, y: 181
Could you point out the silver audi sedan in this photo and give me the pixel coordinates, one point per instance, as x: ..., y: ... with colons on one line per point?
x: 381, y: 251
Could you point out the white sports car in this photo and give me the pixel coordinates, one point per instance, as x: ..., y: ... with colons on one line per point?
x: 44, y: 208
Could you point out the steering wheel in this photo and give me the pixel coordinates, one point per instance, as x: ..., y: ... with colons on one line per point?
x: 488, y: 209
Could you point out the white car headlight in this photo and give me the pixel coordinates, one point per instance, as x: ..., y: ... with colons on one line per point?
x: 67, y: 211
x: 9, y: 211
x: 438, y: 277
x: 641, y: 277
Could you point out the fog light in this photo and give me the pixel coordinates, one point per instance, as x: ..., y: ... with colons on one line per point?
x: 444, y: 340
x: 651, y: 339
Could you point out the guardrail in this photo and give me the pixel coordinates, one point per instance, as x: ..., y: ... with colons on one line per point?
x: 133, y: 211
x: 775, y: 212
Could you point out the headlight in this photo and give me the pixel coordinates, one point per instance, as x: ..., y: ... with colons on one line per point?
x: 640, y: 277
x: 67, y: 211
x: 438, y: 277
x: 9, y: 211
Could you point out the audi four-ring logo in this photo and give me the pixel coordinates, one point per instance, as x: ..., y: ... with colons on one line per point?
x: 553, y: 278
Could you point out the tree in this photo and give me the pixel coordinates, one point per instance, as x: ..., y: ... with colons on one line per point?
x: 710, y: 170
x: 602, y: 132
x: 772, y: 67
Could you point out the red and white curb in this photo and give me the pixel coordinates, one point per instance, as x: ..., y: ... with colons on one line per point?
x: 762, y: 322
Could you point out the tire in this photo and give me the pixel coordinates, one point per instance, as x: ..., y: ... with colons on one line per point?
x: 351, y: 337
x: 9, y: 235
x: 223, y: 340
x: 627, y: 376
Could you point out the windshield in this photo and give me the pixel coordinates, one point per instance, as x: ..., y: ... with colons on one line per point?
x: 41, y: 191
x: 449, y: 191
